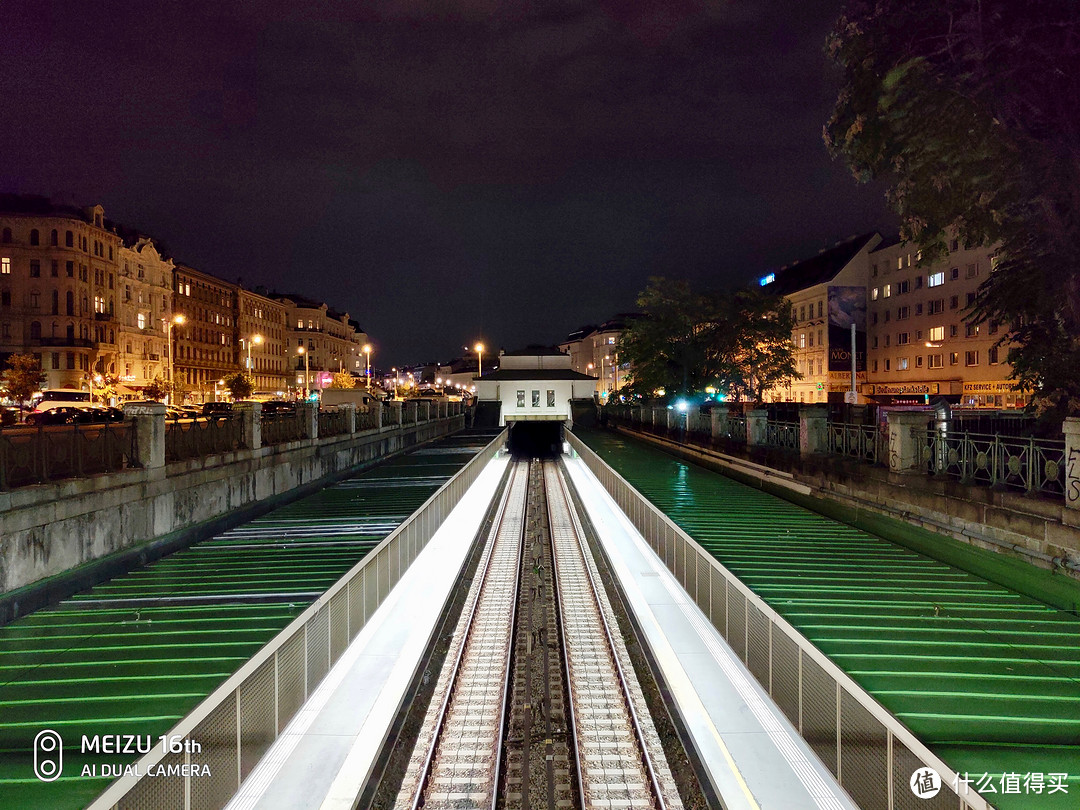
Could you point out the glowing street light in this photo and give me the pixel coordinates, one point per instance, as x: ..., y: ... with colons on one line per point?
x: 479, y: 347
x: 367, y: 371
x: 177, y: 320
x: 307, y: 381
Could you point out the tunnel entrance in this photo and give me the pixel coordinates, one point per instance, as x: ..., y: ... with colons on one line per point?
x: 536, y: 439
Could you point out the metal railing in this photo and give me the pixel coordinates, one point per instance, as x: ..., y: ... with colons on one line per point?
x: 277, y: 428
x: 782, y: 434
x: 871, y: 753
x: 367, y: 417
x: 202, y: 437
x: 34, y: 455
x: 333, y: 422
x: 864, y: 442
x: 1031, y: 465
x: 240, y: 720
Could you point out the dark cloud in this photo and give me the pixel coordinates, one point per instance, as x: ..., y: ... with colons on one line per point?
x: 440, y: 169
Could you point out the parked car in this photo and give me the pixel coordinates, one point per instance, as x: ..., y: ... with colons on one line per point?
x: 191, y: 411
x: 97, y: 415
x: 217, y: 409
x: 8, y: 416
x: 276, y: 407
x: 60, y: 415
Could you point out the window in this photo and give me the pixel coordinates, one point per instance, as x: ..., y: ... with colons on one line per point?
x: 954, y: 302
x: 937, y: 333
x: 954, y: 358
x: 954, y: 245
x: 70, y: 302
x: 902, y: 339
x: 971, y: 358
x: 954, y: 273
x: 953, y: 330
x: 99, y: 304
x: 54, y: 240
x: 971, y: 330
x: 875, y: 341
x: 901, y: 364
x: 819, y: 305
x: 55, y: 302
x: 899, y: 262
x: 521, y: 399
x: 874, y: 294
x: 35, y: 300
x: 903, y: 313
x: 35, y: 239
x: 972, y: 271
x: 970, y: 298
x: 71, y: 360
x: 934, y: 361
x: 888, y: 315
x: 935, y: 307
x: 802, y: 313
x: 536, y: 398
x: 35, y: 330
x: 918, y: 361
x: 69, y: 241
x: 888, y: 364
x: 35, y: 269
x: 5, y: 266
x: 142, y: 320
x: 611, y: 341
x: 802, y: 340
x: 56, y: 355
x: 54, y: 269
x: 820, y: 342
x: 550, y: 398
x: 992, y: 356
x: 873, y: 318
x: 887, y: 291
x: 811, y: 341
x: 70, y: 268
x: 902, y: 287
x: 873, y: 271
x: 875, y: 366
x: 887, y: 341
x: 918, y: 309
x: 992, y: 327
x: 935, y: 279
x: 918, y: 282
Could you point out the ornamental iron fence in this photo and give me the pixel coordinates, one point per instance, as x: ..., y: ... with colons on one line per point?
x: 54, y: 452
x: 863, y: 442
x: 203, y: 437
x: 1032, y: 465
x: 278, y: 428
x: 333, y: 422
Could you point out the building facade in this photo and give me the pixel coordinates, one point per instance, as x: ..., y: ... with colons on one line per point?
x: 261, y: 331
x: 921, y: 345
x: 58, y: 272
x: 204, y: 345
x: 593, y: 351
x: 144, y: 309
x: 331, y: 341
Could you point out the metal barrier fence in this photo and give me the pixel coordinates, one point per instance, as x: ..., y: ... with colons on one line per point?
x: 202, y: 437
x: 782, y: 434
x: 333, y: 422
x: 367, y: 417
x: 1031, y: 465
x: 277, y: 428
x: 33, y: 455
x: 239, y: 721
x: 871, y: 754
x: 865, y: 442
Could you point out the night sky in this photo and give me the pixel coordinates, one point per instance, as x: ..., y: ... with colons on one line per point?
x: 444, y: 171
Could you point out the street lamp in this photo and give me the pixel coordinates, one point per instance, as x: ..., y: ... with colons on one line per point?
x: 177, y: 320
x: 300, y: 350
x: 479, y: 359
x: 367, y: 370
x: 256, y: 339
x: 216, y: 395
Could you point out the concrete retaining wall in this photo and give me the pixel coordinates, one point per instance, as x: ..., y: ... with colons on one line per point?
x: 49, y: 529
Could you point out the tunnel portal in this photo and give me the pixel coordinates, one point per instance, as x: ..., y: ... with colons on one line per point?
x: 536, y: 439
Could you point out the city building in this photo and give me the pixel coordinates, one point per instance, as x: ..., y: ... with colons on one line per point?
x: 535, y: 384
x: 204, y: 343
x: 58, y: 273
x: 144, y: 309
x: 593, y: 350
x: 331, y: 340
x: 827, y: 295
x: 261, y: 341
x: 920, y: 345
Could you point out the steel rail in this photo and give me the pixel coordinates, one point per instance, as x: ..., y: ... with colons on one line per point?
x: 429, y: 760
x: 646, y: 759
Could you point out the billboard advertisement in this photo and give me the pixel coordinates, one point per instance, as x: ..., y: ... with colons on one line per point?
x: 847, y: 306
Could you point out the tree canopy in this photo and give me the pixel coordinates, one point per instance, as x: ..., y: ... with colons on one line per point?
x: 22, y: 377
x: 967, y: 110
x: 686, y: 341
x: 240, y: 385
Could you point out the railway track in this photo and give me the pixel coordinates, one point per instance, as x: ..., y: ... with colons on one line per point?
x: 537, y: 705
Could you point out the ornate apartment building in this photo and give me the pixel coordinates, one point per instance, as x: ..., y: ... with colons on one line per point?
x: 261, y: 335
x: 331, y: 340
x: 204, y: 345
x: 144, y: 309
x: 58, y: 275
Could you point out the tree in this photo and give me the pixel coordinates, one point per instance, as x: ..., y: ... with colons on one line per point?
x: 342, y: 379
x: 240, y: 385
x: 22, y: 378
x: 967, y: 110
x: 738, y: 342
x: 157, y: 389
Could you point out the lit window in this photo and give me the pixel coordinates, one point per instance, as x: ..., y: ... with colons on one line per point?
x: 937, y: 333
x: 901, y: 364
x: 5, y: 266
x: 935, y: 279
x: 521, y: 399
x: 550, y: 398
x: 899, y: 262
x: 874, y: 294
x: 142, y: 320
x: 536, y: 399
x: 888, y: 290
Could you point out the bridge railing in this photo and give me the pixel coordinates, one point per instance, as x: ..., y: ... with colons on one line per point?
x: 34, y: 455
x: 864, y: 442
x: 871, y: 753
x: 333, y: 422
x: 238, y: 722
x: 194, y: 438
x: 1028, y: 464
